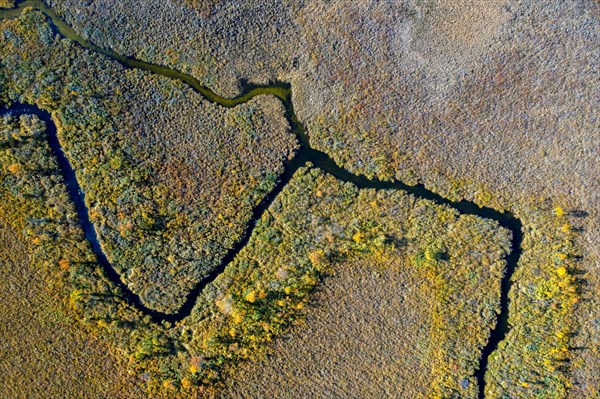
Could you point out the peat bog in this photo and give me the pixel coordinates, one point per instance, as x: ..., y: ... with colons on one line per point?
x: 305, y: 154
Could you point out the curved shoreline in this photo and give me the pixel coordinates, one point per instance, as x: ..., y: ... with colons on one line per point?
x: 304, y: 154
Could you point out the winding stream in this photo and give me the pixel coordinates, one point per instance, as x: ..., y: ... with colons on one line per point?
x: 304, y: 154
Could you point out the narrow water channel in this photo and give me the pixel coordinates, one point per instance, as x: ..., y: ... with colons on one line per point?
x: 304, y: 154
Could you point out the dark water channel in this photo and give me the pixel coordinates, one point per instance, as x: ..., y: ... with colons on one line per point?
x: 305, y: 154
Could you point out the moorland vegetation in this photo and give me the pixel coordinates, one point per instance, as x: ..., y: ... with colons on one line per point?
x: 413, y: 317
x: 170, y: 179
x: 493, y: 101
x: 53, y: 259
x: 542, y: 303
x: 315, y: 223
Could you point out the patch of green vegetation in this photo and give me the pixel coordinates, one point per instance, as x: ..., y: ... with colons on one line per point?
x: 534, y: 360
x: 7, y: 3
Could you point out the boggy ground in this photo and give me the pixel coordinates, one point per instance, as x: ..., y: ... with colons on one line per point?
x: 488, y: 100
x: 451, y: 267
x: 170, y: 179
x: 441, y: 154
x: 44, y: 352
x: 371, y: 332
x: 442, y: 269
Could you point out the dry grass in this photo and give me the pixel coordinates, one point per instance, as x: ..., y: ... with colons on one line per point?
x: 44, y: 353
x: 366, y: 336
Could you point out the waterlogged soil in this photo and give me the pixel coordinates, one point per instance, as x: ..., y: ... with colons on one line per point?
x: 304, y: 155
